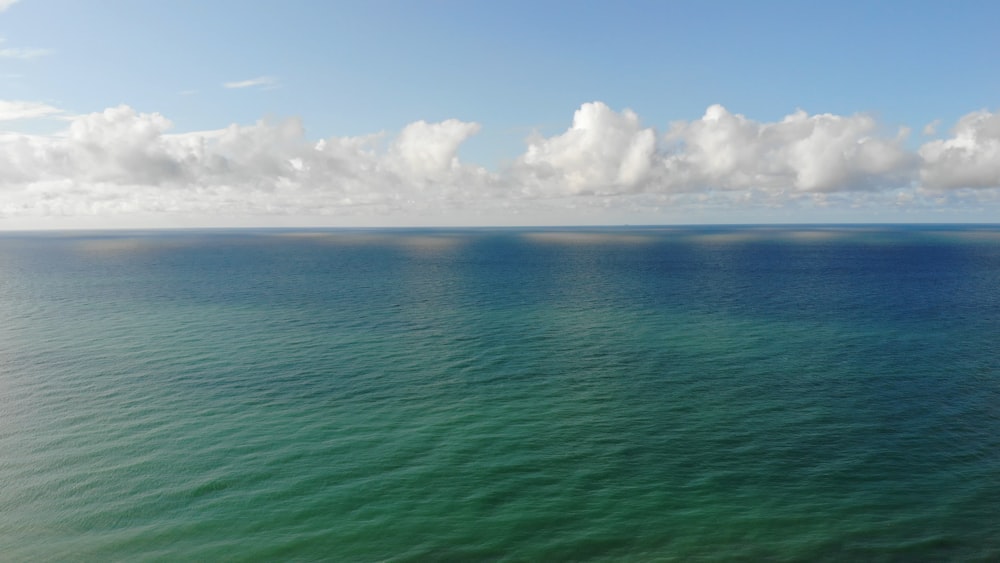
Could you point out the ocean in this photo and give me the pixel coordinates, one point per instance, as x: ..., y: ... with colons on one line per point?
x: 788, y: 393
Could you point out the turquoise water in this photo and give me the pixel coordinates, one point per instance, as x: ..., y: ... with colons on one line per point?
x: 642, y: 394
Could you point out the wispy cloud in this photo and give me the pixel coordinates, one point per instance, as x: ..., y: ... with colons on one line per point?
x: 19, y: 109
x: 23, y: 53
x: 931, y: 128
x: 262, y: 81
x: 4, y: 4
x: 20, y: 52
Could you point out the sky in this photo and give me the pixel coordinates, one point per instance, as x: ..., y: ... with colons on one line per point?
x: 135, y: 113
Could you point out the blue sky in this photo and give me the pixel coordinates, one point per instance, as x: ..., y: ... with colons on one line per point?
x: 117, y: 112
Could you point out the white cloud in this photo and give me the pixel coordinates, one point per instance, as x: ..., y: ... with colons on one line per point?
x: 17, y: 109
x: 265, y: 81
x: 4, y: 4
x: 428, y: 150
x: 121, y: 162
x: 20, y: 52
x: 801, y: 153
x: 607, y: 152
x: 23, y: 53
x: 602, y: 152
x: 969, y: 159
x: 931, y: 128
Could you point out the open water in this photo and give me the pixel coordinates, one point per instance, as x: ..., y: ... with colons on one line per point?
x: 634, y: 394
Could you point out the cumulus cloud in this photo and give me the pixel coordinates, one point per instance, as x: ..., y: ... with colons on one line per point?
x: 970, y: 158
x: 264, y: 81
x: 428, y: 150
x: 18, y: 109
x: 802, y: 152
x: 608, y: 152
x: 121, y: 161
x: 602, y: 152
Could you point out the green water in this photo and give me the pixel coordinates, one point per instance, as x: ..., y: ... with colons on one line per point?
x: 706, y: 394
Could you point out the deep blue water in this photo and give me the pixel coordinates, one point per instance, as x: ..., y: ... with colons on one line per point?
x: 716, y: 393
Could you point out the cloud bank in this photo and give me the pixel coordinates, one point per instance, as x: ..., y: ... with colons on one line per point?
x: 121, y: 161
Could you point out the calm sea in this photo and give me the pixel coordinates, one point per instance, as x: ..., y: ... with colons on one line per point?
x: 635, y: 394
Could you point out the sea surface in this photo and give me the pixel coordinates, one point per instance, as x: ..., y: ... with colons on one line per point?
x: 817, y: 393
